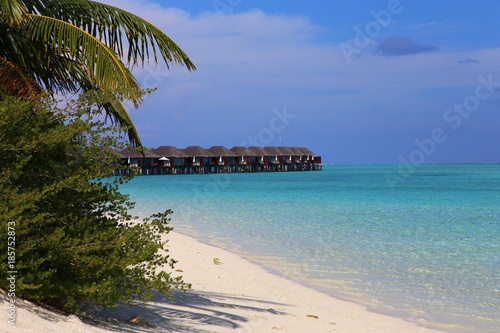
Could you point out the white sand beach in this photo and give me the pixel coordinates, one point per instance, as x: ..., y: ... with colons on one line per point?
x: 229, y: 294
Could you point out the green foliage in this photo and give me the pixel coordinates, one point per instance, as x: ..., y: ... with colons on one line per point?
x: 75, y: 241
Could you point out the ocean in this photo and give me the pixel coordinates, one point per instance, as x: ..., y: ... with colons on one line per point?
x: 417, y: 242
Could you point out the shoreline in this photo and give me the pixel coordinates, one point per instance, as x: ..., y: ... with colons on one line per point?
x: 229, y: 294
x: 354, y: 317
x: 270, y: 265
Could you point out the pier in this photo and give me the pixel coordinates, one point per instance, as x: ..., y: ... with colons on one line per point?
x: 169, y: 160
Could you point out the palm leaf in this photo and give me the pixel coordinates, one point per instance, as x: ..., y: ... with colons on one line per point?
x: 67, y: 40
x: 12, y: 11
x: 114, y: 108
x: 49, y: 70
x: 115, y: 27
x: 39, y: 59
x: 111, y: 103
x: 16, y: 80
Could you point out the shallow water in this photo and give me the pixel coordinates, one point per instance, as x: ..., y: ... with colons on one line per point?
x: 421, y: 243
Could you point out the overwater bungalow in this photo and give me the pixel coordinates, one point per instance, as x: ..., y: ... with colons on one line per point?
x: 261, y: 161
x: 276, y: 161
x: 172, y: 160
x: 216, y: 159
x: 139, y: 160
x: 286, y: 153
x: 198, y: 160
x: 244, y: 157
x: 312, y: 162
x: 222, y: 159
x: 297, y: 158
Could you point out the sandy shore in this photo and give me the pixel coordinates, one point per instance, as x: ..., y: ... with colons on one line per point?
x: 229, y: 294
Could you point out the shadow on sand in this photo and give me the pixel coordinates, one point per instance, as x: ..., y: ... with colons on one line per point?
x: 190, y: 312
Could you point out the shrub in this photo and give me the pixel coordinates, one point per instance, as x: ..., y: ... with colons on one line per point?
x: 74, y: 239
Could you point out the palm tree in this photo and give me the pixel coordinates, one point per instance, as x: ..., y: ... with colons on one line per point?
x: 71, y: 46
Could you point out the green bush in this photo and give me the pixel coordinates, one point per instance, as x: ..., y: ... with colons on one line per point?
x: 74, y: 239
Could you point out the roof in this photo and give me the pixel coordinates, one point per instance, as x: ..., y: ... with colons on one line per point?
x: 214, y: 151
x: 109, y: 152
x: 258, y: 150
x: 272, y: 151
x: 296, y: 151
x: 114, y: 151
x: 242, y: 151
x: 306, y: 151
x: 285, y: 151
x: 196, y: 151
x: 169, y: 151
x: 220, y: 151
x: 137, y: 152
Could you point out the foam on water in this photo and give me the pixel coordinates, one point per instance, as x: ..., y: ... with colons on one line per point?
x: 425, y: 248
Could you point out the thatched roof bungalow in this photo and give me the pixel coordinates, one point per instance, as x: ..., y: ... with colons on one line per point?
x: 260, y: 154
x: 244, y: 154
x: 274, y: 154
x: 197, y: 156
x: 175, y: 156
x: 221, y: 155
x: 139, y: 157
x: 286, y: 153
x: 308, y: 154
x: 218, y: 159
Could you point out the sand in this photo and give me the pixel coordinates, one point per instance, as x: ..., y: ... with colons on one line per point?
x: 229, y: 294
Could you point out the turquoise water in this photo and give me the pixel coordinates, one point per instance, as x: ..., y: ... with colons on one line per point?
x: 422, y: 243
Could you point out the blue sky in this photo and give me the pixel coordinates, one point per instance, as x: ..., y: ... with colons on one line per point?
x: 357, y: 82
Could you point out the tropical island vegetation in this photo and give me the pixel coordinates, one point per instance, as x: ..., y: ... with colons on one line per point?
x: 67, y: 236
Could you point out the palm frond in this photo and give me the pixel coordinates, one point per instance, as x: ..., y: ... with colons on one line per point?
x: 101, y: 63
x: 49, y: 70
x: 115, y: 27
x: 117, y: 113
x: 12, y: 11
x: 111, y: 104
x: 16, y: 80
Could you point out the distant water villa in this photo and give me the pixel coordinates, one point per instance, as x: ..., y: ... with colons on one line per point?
x: 169, y: 160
